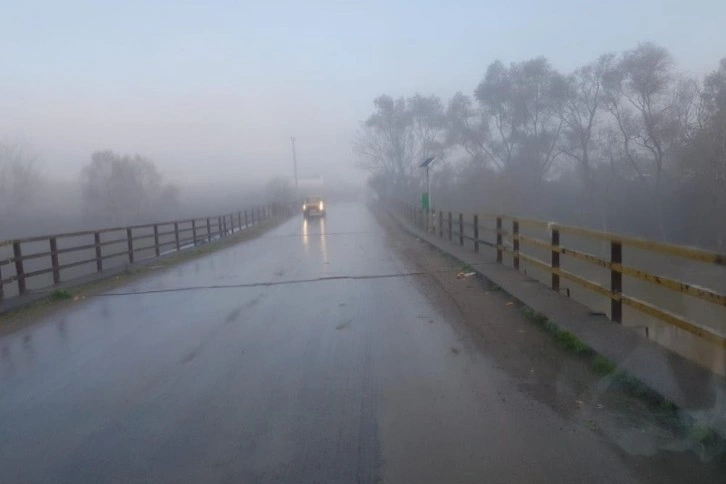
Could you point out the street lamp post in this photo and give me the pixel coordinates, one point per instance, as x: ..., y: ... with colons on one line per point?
x: 427, y: 164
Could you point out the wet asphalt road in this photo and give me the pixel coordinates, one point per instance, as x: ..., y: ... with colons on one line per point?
x: 271, y: 380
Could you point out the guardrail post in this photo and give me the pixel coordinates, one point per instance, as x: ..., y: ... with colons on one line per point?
x: 194, y: 232
x: 441, y: 224
x: 130, y: 239
x: 157, y: 251
x: 515, y: 243
x: 555, y: 259
x: 54, y: 260
x: 246, y: 224
x: 176, y: 236
x: 450, y: 227
x: 97, y: 242
x: 19, y: 272
x: 499, y: 240
x: 209, y: 230
x: 461, y: 229
x: 476, y: 233
x: 616, y: 281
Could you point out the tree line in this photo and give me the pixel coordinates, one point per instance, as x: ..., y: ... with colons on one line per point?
x: 625, y: 143
x: 111, y: 189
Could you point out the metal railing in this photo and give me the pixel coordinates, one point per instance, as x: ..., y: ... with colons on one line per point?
x: 453, y: 226
x: 122, y: 245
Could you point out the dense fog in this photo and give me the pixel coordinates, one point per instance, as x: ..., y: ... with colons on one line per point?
x: 116, y: 115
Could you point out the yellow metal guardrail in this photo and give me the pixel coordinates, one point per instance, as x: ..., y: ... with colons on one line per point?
x: 617, y: 243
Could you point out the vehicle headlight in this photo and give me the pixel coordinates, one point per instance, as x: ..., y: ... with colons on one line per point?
x: 304, y: 206
x: 320, y: 206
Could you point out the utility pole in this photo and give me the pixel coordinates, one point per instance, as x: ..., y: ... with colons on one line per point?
x: 294, y: 164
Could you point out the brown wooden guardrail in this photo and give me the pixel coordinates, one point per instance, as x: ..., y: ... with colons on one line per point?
x: 182, y: 234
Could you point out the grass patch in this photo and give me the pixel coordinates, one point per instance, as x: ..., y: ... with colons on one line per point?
x: 702, y: 435
x: 570, y: 342
x: 564, y: 338
x: 550, y: 327
x: 60, y: 295
x: 668, y: 406
x: 467, y: 268
x: 664, y: 410
x: 534, y: 316
x: 602, y: 366
x: 636, y: 388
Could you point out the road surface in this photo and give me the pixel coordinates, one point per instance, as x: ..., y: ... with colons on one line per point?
x: 312, y: 354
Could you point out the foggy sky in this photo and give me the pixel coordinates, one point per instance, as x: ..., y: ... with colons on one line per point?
x: 212, y: 90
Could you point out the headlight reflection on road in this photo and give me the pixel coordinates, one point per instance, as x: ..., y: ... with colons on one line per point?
x: 323, y: 243
x: 315, y: 229
x: 305, y: 229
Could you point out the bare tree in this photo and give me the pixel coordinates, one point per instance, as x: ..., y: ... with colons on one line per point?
x: 496, y: 95
x: 704, y: 160
x: 395, y: 138
x: 581, y: 113
x: 525, y: 102
x: 468, y: 128
x: 581, y: 116
x: 125, y: 189
x: 429, y: 123
x: 385, y: 143
x: 18, y: 177
x: 652, y: 108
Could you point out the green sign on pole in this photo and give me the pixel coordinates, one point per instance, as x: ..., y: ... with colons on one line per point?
x: 425, y: 201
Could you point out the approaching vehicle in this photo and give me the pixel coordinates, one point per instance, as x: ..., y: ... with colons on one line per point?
x: 313, y: 206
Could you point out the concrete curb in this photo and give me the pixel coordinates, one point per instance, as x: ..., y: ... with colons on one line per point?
x: 696, y: 390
